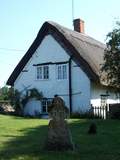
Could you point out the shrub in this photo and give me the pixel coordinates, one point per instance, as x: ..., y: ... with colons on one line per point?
x: 32, y: 93
x: 114, y: 111
x: 4, y: 93
x: 116, y: 115
x: 17, y: 100
x: 87, y: 114
x: 92, y: 128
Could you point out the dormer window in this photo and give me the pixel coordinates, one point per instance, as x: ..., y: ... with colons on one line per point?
x: 42, y: 72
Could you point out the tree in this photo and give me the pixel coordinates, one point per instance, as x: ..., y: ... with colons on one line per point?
x: 111, y: 66
x: 14, y: 97
x: 4, y: 93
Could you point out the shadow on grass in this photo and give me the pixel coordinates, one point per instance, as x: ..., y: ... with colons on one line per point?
x: 30, y: 145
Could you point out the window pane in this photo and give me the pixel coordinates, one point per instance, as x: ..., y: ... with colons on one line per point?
x: 44, y: 109
x: 46, y: 72
x: 39, y: 72
x: 42, y: 72
x: 64, y: 72
x: 59, y: 72
x: 45, y: 104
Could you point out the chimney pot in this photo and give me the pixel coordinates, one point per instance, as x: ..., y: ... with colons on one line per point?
x: 78, y: 25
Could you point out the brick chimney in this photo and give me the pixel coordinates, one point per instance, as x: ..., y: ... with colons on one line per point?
x: 78, y: 25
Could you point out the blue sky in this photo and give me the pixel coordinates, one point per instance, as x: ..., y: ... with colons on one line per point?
x: 21, y: 20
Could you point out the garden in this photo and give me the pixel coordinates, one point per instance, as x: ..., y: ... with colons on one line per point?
x: 23, y: 139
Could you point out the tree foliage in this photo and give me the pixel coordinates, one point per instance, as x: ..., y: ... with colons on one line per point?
x: 31, y: 93
x: 4, y: 93
x: 111, y: 66
x: 14, y: 97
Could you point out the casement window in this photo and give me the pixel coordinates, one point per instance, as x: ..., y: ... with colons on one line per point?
x: 62, y: 72
x: 42, y: 72
x: 45, y: 103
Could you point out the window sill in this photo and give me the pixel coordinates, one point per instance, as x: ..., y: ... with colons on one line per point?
x: 62, y: 79
x: 42, y: 79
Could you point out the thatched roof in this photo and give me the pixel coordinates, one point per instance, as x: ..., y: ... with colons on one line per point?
x: 85, y: 51
x: 89, y: 49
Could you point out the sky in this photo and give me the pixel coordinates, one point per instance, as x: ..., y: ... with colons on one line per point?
x: 21, y: 20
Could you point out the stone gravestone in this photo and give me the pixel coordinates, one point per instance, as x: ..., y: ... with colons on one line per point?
x: 59, y: 136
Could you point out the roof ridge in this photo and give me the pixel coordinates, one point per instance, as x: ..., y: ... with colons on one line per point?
x: 101, y: 45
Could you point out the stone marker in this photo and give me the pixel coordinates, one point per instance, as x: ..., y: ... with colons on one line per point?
x: 59, y: 136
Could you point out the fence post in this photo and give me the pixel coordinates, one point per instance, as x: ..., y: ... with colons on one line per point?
x: 107, y: 111
x: 100, y: 111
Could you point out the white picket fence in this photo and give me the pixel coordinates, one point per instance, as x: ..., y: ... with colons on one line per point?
x: 101, y: 111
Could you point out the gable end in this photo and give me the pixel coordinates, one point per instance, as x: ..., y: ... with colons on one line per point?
x: 46, y: 29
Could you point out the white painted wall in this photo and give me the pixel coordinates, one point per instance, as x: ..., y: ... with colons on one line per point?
x: 97, y: 90
x: 32, y: 108
x: 48, y: 51
x: 80, y: 89
x: 51, y: 51
x: 83, y: 91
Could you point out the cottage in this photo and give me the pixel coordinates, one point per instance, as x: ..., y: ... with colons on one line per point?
x: 67, y: 63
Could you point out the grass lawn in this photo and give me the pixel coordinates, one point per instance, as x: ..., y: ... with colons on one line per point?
x: 24, y: 139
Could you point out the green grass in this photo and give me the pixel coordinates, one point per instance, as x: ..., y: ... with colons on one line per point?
x: 23, y: 139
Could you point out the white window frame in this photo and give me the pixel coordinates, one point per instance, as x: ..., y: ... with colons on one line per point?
x: 42, y: 73
x: 45, y: 103
x: 62, y: 71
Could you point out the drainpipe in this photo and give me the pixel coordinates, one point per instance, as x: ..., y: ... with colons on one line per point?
x: 70, y: 85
